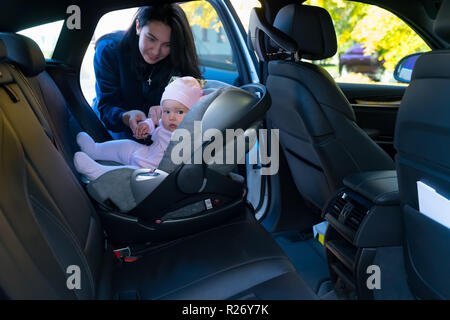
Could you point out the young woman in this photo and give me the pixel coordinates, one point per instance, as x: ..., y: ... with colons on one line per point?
x: 133, y: 68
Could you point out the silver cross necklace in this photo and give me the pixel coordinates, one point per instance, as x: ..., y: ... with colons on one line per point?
x: 149, y: 81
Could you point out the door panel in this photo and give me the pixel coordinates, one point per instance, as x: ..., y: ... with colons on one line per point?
x: 372, y: 92
x: 376, y: 109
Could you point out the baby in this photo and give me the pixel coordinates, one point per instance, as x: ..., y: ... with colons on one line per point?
x: 177, y: 99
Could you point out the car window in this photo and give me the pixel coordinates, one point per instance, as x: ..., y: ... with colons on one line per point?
x: 371, y: 41
x: 45, y: 35
x: 213, y: 48
x: 110, y: 22
x: 243, y: 9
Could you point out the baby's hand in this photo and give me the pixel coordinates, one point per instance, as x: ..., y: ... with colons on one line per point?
x: 155, y: 113
x: 142, y: 130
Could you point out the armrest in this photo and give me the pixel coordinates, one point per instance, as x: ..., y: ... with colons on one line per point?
x: 380, y: 187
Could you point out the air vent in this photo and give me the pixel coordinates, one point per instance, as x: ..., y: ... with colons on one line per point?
x: 338, y: 204
x: 348, y: 211
x: 356, y: 216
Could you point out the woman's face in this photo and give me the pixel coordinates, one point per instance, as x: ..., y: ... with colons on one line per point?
x: 154, y: 41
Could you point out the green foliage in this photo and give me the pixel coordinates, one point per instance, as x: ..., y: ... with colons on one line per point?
x: 383, y: 32
x: 377, y: 29
x: 201, y: 13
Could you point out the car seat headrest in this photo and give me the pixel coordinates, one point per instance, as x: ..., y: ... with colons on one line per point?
x: 24, y: 53
x: 258, y: 26
x: 311, y: 28
x: 442, y: 23
x: 307, y: 31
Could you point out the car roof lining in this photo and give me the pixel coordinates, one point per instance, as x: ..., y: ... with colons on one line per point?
x: 44, y: 11
x: 71, y: 45
x: 14, y: 17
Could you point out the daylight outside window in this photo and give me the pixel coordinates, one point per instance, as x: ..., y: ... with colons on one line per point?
x: 368, y: 42
x: 45, y: 35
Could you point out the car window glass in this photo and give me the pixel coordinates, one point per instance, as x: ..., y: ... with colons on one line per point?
x: 243, y: 9
x: 369, y: 41
x: 45, y: 35
x: 213, y: 47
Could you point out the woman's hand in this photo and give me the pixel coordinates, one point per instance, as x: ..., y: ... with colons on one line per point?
x: 132, y: 118
x: 155, y: 113
x: 142, y: 130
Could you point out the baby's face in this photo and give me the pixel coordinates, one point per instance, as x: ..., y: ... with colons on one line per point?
x: 173, y: 113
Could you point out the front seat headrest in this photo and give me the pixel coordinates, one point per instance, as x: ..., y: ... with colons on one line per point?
x: 23, y: 52
x: 311, y: 28
x: 442, y: 23
x: 298, y: 29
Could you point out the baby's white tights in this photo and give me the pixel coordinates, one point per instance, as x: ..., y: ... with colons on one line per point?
x: 115, y: 150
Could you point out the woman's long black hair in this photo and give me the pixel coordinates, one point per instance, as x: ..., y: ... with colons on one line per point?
x: 182, y: 60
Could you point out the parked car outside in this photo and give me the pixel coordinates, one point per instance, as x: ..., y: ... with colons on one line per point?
x: 355, y: 60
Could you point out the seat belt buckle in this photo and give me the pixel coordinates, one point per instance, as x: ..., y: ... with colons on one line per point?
x: 124, y: 254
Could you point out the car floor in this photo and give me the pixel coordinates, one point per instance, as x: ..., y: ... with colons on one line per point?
x: 308, y: 257
x: 294, y: 234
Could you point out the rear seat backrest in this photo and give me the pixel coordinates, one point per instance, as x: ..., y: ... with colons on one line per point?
x: 42, y: 94
x: 46, y: 223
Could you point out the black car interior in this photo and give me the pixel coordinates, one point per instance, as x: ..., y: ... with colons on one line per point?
x: 58, y: 225
x: 364, y: 209
x: 137, y: 242
x: 422, y: 135
x: 318, y: 132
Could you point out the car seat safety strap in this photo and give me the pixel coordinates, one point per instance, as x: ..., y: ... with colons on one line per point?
x: 12, y: 95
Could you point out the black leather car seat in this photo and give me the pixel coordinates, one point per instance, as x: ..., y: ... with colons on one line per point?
x: 42, y: 93
x: 48, y: 224
x: 422, y: 139
x: 318, y: 131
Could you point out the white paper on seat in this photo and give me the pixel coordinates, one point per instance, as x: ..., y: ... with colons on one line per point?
x: 433, y: 205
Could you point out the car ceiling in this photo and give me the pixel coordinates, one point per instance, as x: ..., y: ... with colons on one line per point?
x: 19, y: 14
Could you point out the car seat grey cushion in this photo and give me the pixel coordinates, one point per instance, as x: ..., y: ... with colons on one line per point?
x: 115, y: 186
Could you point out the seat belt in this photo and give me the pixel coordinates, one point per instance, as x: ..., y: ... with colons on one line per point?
x: 42, y: 114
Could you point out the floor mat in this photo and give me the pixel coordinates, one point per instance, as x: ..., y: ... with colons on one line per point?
x: 307, y: 256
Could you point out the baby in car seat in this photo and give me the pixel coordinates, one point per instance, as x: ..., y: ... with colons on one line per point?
x: 178, y: 98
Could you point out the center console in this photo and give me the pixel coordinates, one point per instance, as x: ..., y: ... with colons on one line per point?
x: 363, y: 218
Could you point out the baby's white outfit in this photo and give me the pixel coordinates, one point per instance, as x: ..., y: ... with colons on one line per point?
x: 128, y: 152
